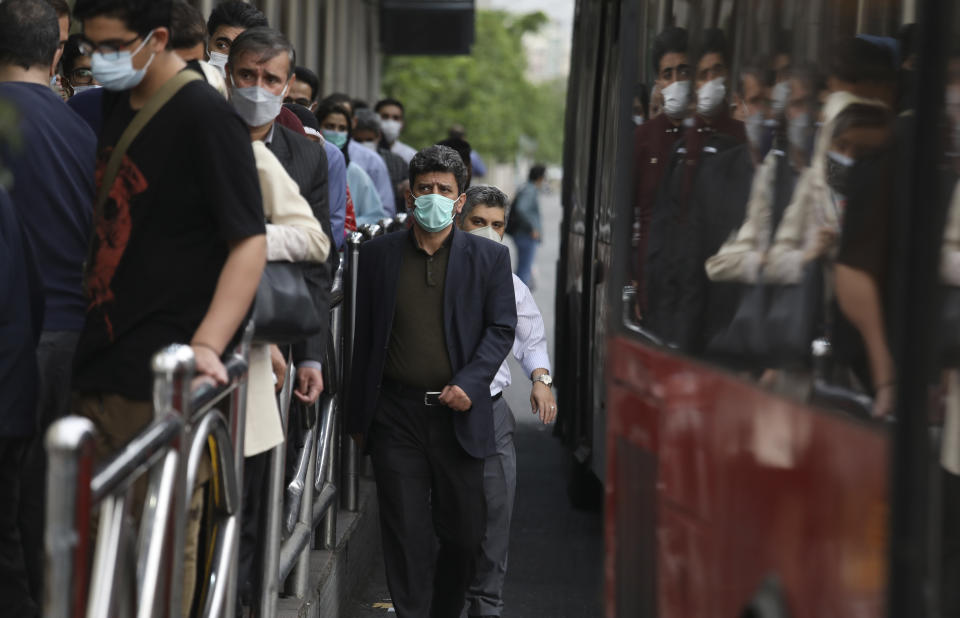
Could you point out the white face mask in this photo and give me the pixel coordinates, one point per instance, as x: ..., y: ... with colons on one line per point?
x: 220, y: 61
x: 779, y: 96
x: 255, y: 105
x: 78, y: 89
x: 710, y: 97
x: 754, y: 125
x: 487, y: 232
x: 676, y: 97
x: 391, y: 129
x: 798, y: 132
x: 372, y: 145
x: 638, y: 120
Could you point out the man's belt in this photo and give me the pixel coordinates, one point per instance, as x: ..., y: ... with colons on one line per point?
x: 418, y: 394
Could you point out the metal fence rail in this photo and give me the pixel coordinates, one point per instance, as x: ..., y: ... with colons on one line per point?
x: 136, y: 566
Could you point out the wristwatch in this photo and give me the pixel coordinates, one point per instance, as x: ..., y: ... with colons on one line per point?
x: 545, y: 378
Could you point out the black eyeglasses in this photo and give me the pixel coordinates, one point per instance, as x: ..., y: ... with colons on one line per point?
x: 81, y: 76
x: 108, y: 49
x: 300, y: 101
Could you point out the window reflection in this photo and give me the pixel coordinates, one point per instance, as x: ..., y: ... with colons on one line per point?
x: 764, y: 198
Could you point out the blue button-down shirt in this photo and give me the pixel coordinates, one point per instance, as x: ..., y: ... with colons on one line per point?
x: 371, y: 162
x: 337, y: 186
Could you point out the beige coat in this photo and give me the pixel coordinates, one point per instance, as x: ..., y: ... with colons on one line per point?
x: 293, y: 234
x: 749, y: 251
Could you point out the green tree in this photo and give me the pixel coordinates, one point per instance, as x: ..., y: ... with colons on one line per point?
x: 487, y: 92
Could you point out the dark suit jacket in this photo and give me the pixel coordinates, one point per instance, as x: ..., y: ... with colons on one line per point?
x: 306, y: 162
x: 653, y: 143
x: 717, y: 209
x: 480, y: 315
x: 669, y: 241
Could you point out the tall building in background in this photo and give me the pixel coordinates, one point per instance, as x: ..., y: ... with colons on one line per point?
x: 548, y: 51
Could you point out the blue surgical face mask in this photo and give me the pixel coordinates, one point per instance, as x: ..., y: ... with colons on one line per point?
x: 117, y: 72
x: 337, y: 138
x: 433, y: 212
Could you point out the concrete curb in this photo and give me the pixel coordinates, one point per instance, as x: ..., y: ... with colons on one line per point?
x: 335, y: 576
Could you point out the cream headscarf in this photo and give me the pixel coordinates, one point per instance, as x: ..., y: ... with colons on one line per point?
x: 812, y: 205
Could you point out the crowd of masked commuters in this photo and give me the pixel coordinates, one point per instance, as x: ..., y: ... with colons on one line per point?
x: 763, y: 202
x: 159, y: 162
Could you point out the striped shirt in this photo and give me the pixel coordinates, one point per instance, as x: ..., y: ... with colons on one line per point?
x: 529, y: 343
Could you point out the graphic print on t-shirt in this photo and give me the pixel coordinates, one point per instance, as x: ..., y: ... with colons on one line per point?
x: 112, y: 233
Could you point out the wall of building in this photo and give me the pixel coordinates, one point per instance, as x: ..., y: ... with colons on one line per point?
x: 337, y: 39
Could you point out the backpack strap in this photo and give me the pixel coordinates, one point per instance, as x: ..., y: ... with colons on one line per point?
x: 160, y: 98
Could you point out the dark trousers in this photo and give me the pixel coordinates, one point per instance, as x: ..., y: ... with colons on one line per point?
x: 15, y: 598
x: 55, y: 363
x: 432, y: 509
x: 255, y: 470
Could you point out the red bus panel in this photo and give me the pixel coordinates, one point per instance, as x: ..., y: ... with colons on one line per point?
x: 715, y: 486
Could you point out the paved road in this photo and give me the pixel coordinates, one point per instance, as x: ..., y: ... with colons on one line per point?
x: 556, y: 552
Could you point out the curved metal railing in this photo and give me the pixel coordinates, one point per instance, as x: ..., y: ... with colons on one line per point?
x: 135, y: 567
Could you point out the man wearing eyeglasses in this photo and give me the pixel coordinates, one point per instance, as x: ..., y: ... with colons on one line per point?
x: 75, y: 67
x: 51, y: 166
x: 178, y: 246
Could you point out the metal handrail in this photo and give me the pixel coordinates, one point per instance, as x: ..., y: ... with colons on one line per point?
x: 143, y: 573
x: 170, y: 451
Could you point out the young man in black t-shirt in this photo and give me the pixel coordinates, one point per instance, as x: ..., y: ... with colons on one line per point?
x: 179, y: 247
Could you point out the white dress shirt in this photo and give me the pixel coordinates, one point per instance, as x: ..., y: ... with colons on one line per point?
x: 529, y: 342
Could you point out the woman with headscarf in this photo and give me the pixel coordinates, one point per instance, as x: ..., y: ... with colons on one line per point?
x: 854, y: 128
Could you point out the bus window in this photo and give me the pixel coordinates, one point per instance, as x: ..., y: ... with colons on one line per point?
x: 763, y: 279
x: 763, y: 139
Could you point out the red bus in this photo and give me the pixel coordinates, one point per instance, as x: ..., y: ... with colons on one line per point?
x: 755, y: 328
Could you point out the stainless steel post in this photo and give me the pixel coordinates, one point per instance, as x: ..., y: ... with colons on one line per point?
x: 351, y: 463
x: 300, y: 578
x: 326, y: 535
x: 69, y: 444
x: 329, y: 528
x: 270, y: 588
x: 173, y: 370
x: 238, y: 427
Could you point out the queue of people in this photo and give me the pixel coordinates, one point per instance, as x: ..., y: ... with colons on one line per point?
x: 762, y: 205
x: 193, y: 157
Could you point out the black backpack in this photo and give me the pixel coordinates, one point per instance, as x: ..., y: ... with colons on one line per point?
x: 515, y: 224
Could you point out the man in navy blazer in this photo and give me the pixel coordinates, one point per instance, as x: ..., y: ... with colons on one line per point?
x: 435, y: 318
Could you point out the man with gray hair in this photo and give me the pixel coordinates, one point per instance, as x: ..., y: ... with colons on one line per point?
x: 367, y: 133
x: 259, y: 72
x: 435, y: 319
x: 484, y: 214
